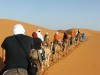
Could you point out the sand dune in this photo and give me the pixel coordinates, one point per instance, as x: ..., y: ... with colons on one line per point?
x: 84, y: 60
x: 7, y: 25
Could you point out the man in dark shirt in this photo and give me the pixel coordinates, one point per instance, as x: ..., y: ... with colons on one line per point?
x: 37, y: 41
x: 38, y: 48
x: 65, y: 37
x: 15, y: 57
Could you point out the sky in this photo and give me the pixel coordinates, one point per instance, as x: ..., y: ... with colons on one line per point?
x: 53, y: 14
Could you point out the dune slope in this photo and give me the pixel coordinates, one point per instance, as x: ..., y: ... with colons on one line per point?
x: 6, y: 27
x: 84, y: 60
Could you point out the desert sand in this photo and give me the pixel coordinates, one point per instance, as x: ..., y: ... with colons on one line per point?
x: 84, y: 60
x: 6, y: 27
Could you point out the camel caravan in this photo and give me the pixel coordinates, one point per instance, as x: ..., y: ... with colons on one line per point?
x: 44, y: 52
x: 53, y: 50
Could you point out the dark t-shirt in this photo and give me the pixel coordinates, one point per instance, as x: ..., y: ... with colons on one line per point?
x: 65, y: 36
x: 37, y: 43
x: 15, y: 56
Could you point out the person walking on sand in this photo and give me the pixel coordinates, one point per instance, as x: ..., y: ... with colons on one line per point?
x: 83, y: 37
x: 14, y: 58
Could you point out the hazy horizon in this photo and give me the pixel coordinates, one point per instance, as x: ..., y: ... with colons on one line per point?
x: 53, y: 14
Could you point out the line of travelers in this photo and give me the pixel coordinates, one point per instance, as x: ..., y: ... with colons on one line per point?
x: 15, y: 58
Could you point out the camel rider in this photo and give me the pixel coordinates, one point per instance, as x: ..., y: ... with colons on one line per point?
x: 57, y: 38
x: 46, y: 39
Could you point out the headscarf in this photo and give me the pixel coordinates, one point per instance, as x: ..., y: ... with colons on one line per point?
x: 56, y: 33
x: 39, y: 34
x: 18, y: 29
x: 34, y: 35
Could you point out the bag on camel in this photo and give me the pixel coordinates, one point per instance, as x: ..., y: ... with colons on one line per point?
x: 43, y: 54
x: 32, y: 67
x: 53, y: 50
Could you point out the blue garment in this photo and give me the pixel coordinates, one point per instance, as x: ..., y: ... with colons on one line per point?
x: 83, y: 37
